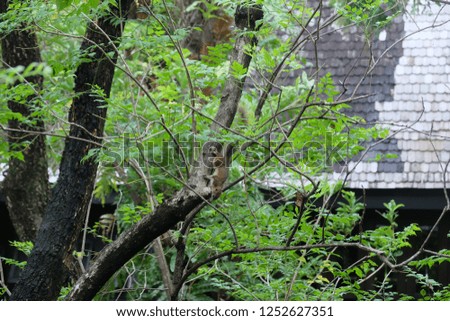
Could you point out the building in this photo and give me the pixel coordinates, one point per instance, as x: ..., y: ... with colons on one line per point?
x: 409, y: 90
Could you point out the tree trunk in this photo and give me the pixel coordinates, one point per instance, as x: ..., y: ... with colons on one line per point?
x: 26, y: 183
x: 44, y: 274
x: 172, y: 211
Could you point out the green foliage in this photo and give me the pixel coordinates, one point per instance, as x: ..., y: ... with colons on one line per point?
x: 371, y: 15
x: 24, y: 247
x: 152, y: 139
x: 130, y: 214
x: 84, y: 5
x: 310, y: 274
x: 14, y: 87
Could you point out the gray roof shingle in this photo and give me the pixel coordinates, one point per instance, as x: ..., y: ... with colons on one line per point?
x: 416, y: 69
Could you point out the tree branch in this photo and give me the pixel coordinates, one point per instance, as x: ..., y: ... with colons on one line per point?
x: 172, y: 211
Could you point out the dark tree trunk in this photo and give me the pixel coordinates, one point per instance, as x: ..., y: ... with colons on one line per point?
x: 26, y: 183
x: 45, y: 274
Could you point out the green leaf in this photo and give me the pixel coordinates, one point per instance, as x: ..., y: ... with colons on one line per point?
x: 359, y: 272
x: 62, y: 4
x: 87, y: 7
x: 237, y: 70
x: 24, y: 247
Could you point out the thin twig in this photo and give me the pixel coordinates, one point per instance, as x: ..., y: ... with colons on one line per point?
x: 437, y: 254
x: 85, y: 231
x: 2, y: 279
x: 372, y: 274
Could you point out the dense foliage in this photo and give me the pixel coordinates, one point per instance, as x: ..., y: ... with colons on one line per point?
x: 311, y: 245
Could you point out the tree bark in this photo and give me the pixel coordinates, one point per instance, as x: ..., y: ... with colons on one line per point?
x: 26, y: 183
x: 172, y: 211
x: 45, y: 274
x: 205, y: 32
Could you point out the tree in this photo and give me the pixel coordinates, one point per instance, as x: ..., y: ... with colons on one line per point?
x: 174, y: 116
x: 26, y: 185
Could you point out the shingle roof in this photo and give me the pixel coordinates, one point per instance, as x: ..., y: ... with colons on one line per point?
x: 414, y: 74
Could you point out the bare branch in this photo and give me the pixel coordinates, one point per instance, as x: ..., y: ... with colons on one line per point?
x: 2, y: 279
